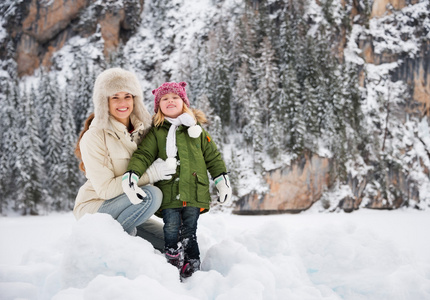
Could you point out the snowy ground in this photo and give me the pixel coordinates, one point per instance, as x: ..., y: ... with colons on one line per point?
x: 363, y: 255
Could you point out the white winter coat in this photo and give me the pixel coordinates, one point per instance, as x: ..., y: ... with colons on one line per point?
x: 107, y: 146
x: 106, y: 153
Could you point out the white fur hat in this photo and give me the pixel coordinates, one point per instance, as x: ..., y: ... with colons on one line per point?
x: 110, y: 82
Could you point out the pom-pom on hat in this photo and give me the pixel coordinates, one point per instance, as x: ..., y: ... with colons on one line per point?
x: 167, y: 88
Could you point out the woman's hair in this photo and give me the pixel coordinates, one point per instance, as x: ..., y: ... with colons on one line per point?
x: 77, y: 148
x: 158, y: 118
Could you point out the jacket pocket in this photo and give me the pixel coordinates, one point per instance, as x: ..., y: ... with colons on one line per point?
x: 202, y: 190
x: 170, y: 189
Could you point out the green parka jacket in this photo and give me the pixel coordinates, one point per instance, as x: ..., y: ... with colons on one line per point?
x: 190, y: 185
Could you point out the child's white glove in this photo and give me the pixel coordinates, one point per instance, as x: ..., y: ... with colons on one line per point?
x: 222, y: 183
x: 160, y: 170
x: 129, y: 185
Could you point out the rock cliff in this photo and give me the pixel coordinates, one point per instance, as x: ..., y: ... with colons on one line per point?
x: 292, y: 189
x: 295, y: 188
x: 46, y: 26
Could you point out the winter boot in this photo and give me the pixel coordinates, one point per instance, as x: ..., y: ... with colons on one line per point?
x: 175, y: 257
x: 190, y: 266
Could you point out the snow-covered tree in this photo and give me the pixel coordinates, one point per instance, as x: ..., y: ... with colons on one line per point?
x: 30, y: 174
x: 10, y: 137
x: 54, y: 181
x: 220, y: 75
x: 47, y: 96
x: 268, y: 80
x: 241, y: 96
x: 69, y: 171
x: 83, y: 104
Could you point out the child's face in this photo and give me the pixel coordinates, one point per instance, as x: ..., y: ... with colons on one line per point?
x: 171, y: 105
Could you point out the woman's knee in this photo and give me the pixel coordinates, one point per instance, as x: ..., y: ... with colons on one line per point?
x: 155, y: 194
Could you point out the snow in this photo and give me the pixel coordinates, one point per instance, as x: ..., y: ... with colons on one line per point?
x: 3, y: 33
x: 352, y: 52
x: 363, y: 255
x: 396, y: 33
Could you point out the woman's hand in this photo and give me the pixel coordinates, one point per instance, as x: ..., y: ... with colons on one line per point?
x: 160, y: 170
x: 129, y: 185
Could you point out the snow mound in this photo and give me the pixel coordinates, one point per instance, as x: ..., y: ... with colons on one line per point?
x: 365, y: 255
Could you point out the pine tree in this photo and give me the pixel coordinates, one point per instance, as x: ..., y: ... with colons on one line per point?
x: 312, y: 113
x: 275, y: 138
x: 83, y: 104
x: 297, y: 128
x: 163, y: 19
x: 292, y: 111
x: 55, y: 181
x: 116, y: 58
x: 250, y: 44
x: 47, y: 96
x: 220, y: 90
x: 284, y: 42
x: 354, y: 116
x: 70, y: 174
x: 306, y: 64
x: 242, y: 92
x: 234, y: 168
x: 237, y: 55
x: 214, y: 125
x: 268, y: 80
x: 199, y: 74
x: 255, y: 134
x: 9, y: 132
x: 29, y: 164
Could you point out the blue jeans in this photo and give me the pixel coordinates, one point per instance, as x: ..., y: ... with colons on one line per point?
x: 180, y: 225
x: 132, y: 216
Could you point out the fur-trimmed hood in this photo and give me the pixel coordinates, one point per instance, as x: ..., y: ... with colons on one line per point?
x: 112, y: 81
x: 200, y: 116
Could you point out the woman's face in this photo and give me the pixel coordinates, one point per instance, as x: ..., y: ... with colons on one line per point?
x: 121, y: 106
x: 171, y: 105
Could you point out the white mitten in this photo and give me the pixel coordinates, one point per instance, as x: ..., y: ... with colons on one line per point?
x: 171, y: 162
x: 129, y: 185
x: 160, y: 170
x: 222, y: 183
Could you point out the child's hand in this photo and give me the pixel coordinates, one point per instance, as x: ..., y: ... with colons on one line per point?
x: 222, y: 183
x: 160, y: 170
x: 129, y: 185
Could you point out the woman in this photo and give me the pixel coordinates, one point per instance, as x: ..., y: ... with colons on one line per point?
x: 105, y: 146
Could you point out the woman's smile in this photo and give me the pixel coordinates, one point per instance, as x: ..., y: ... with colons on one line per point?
x: 121, y: 106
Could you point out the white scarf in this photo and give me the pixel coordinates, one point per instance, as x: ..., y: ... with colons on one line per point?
x: 193, y: 131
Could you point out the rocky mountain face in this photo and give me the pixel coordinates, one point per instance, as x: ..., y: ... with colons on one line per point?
x: 297, y: 187
x: 292, y: 189
x: 43, y: 27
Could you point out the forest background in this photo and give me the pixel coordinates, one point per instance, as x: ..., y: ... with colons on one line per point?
x: 277, y: 79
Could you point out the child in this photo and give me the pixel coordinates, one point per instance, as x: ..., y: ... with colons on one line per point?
x: 177, y: 138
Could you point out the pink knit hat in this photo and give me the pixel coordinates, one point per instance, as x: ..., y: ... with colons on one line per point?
x: 167, y: 88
